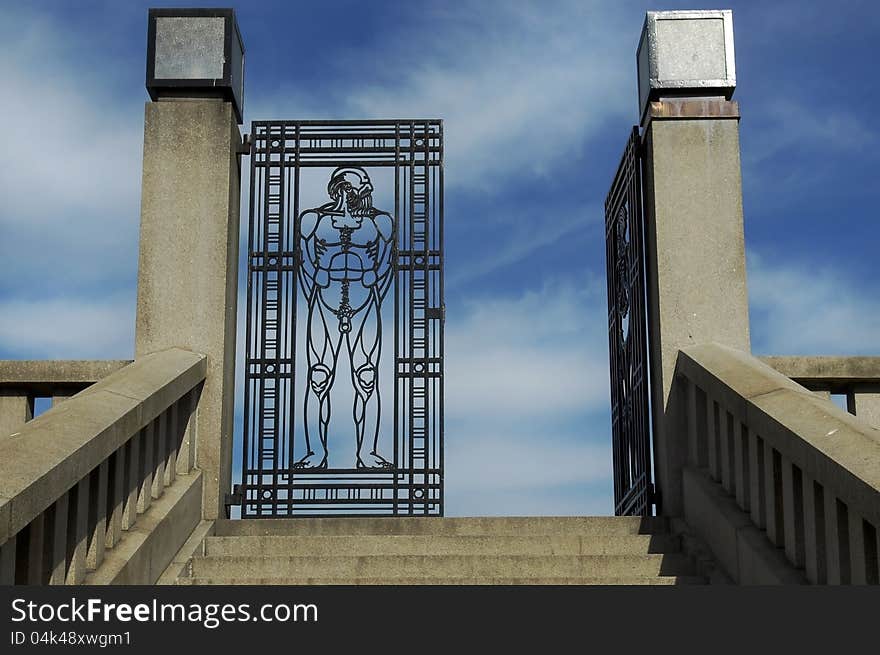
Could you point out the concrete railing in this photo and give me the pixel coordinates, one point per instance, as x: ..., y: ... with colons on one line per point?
x: 856, y: 378
x: 784, y: 486
x: 23, y: 381
x: 102, y: 488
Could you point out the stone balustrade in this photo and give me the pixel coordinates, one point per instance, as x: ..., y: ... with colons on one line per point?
x: 780, y: 483
x: 856, y: 378
x: 102, y: 488
x: 23, y: 381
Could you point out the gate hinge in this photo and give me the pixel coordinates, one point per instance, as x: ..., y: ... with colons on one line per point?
x: 233, y: 499
x: 244, y: 148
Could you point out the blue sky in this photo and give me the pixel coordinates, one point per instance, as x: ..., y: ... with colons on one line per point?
x: 538, y: 99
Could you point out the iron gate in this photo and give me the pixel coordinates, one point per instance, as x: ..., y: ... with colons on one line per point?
x: 345, y: 252
x: 627, y: 335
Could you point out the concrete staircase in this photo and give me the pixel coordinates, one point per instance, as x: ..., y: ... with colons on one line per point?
x: 504, y: 550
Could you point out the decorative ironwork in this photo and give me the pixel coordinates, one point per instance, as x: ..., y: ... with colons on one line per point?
x: 345, y: 240
x: 627, y: 335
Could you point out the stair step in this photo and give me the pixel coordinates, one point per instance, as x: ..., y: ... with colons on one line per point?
x: 440, y: 566
x: 645, y: 580
x: 506, y: 525
x: 324, y: 545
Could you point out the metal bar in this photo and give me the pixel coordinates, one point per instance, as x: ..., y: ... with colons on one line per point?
x: 627, y: 334
x: 307, y: 162
x: 373, y: 122
x: 273, y: 482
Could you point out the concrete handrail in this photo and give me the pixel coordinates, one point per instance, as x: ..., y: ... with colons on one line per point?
x: 75, y: 479
x: 43, y: 373
x: 23, y: 381
x: 830, y: 369
x: 804, y: 470
x: 856, y: 377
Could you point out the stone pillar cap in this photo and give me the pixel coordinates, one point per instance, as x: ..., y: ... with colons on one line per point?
x: 686, y: 54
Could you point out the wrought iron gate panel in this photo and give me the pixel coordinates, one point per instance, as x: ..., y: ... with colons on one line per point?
x: 318, y: 275
x: 627, y: 335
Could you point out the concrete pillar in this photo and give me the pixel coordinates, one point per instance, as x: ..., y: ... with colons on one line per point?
x: 16, y: 409
x: 867, y: 406
x: 696, y: 275
x: 188, y: 265
x: 60, y: 395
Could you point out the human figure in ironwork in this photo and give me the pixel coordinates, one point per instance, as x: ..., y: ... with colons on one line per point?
x: 346, y: 247
x: 624, y: 357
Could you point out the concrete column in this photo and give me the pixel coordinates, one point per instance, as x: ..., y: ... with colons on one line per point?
x: 694, y: 246
x: 867, y: 406
x: 16, y: 409
x: 696, y: 275
x: 188, y: 265
x: 60, y: 396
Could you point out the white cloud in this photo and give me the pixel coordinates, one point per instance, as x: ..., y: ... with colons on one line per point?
x: 528, y: 430
x: 521, y: 87
x: 510, y: 460
x: 70, y: 179
x: 796, y: 310
x: 813, y: 140
x: 785, y: 124
x: 524, y: 235
x: 542, y: 353
x: 68, y: 328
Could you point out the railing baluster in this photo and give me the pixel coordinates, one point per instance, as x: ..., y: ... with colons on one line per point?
x: 866, y: 405
x: 160, y: 441
x: 740, y: 438
x: 693, y: 435
x: 725, y: 434
x: 59, y: 397
x: 773, y: 491
x: 792, y: 512
x: 872, y: 553
x: 36, y: 553
x: 814, y: 537
x: 117, y: 500
x: 173, y: 434
x: 145, y: 494
x: 756, y: 480
x: 843, y: 544
x: 97, y: 517
x: 712, y: 436
x: 186, y: 458
x: 7, y: 562
x: 133, y: 481
x: 858, y: 570
x: 58, y: 567
x: 832, y: 539
x: 78, y: 536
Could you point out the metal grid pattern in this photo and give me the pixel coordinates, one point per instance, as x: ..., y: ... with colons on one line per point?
x: 392, y: 171
x: 627, y: 335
